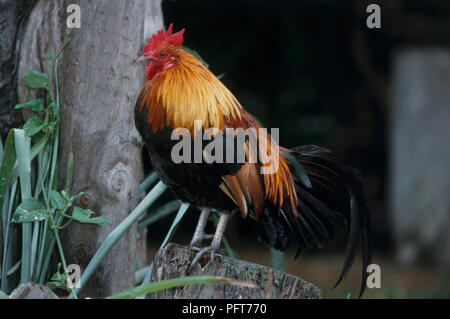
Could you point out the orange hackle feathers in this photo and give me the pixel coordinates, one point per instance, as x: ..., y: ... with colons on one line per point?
x: 188, y: 92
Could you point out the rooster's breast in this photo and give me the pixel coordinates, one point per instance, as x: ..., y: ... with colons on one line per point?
x: 195, y: 183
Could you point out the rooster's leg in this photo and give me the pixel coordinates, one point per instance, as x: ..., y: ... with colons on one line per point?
x: 215, y: 244
x: 199, y: 234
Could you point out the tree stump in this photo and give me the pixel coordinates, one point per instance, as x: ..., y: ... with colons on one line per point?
x: 173, y: 261
x: 31, y: 290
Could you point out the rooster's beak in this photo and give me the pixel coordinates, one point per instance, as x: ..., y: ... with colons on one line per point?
x: 142, y: 58
x: 145, y: 58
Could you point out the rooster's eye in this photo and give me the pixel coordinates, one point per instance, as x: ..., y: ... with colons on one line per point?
x: 162, y: 54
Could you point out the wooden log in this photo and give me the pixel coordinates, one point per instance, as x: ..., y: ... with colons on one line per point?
x: 31, y: 290
x: 100, y: 80
x: 173, y: 261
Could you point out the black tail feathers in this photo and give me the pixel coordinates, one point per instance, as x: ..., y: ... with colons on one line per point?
x: 330, y: 199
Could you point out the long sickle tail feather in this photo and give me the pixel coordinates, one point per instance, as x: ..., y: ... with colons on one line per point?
x: 332, y: 201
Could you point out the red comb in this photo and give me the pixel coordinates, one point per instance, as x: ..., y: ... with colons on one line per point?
x: 160, y: 37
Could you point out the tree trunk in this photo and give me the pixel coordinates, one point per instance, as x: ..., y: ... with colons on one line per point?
x: 173, y: 261
x: 420, y: 156
x: 100, y: 80
x: 13, y: 13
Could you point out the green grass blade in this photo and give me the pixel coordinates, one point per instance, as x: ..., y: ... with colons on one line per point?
x: 35, y: 150
x: 22, y: 144
x: 140, y: 275
x: 14, y: 268
x: 8, y: 161
x: 148, y: 181
x: 119, y: 231
x: 176, y: 282
x: 277, y: 259
x: 183, y: 208
x: 8, y: 239
x: 52, y: 181
x: 34, y: 244
x: 45, y: 265
x: 7, y: 195
x: 144, y: 274
x: 43, y: 237
x: 147, y: 278
x: 181, y: 211
x: 160, y: 213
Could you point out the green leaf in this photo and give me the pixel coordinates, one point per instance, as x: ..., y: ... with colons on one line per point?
x: 6, y: 168
x: 35, y: 105
x: 33, y: 126
x: 30, y: 210
x: 83, y: 216
x: 36, y: 79
x: 57, y: 200
x: 58, y: 275
x: 58, y: 280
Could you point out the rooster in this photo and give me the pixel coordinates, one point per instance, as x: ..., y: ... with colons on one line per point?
x: 310, y: 195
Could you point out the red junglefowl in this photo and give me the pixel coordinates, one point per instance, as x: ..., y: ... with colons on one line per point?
x: 309, y: 196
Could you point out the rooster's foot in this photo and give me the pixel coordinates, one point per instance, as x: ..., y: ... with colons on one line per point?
x: 212, y: 250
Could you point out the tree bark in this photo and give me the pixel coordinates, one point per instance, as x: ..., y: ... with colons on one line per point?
x: 100, y: 80
x: 173, y: 261
x: 13, y: 13
x: 32, y: 291
x: 420, y: 156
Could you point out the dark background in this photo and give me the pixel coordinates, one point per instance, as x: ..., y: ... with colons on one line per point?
x: 316, y: 71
